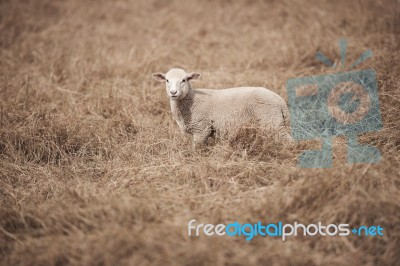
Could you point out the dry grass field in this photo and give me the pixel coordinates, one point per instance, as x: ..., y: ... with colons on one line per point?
x: 94, y: 171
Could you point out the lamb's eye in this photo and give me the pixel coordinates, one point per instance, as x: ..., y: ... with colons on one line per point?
x: 183, y: 80
x: 167, y: 81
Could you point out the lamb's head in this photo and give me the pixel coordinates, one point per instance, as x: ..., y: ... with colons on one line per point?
x: 176, y: 82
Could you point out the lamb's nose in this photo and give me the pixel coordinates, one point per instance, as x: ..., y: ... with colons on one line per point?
x: 173, y: 92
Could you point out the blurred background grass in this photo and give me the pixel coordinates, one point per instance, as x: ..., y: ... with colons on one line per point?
x: 94, y: 171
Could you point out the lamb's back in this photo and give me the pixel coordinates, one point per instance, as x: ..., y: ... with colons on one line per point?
x: 239, y: 105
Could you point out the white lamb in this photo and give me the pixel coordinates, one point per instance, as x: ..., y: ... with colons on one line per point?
x: 203, y: 112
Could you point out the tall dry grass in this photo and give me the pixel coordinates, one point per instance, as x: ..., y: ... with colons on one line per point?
x: 95, y: 172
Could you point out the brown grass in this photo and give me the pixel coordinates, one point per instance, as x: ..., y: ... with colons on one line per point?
x: 95, y: 172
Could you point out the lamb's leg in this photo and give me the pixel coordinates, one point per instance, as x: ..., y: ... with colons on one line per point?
x: 284, y: 135
x: 200, y: 139
x: 287, y: 138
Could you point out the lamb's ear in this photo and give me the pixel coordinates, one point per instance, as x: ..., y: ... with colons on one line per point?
x: 193, y: 75
x: 159, y: 77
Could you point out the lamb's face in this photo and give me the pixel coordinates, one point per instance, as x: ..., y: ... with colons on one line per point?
x: 176, y: 82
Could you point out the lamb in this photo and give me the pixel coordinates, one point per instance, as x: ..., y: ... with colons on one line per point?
x: 204, y: 112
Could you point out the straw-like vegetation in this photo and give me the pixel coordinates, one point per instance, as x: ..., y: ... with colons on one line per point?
x: 94, y: 171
